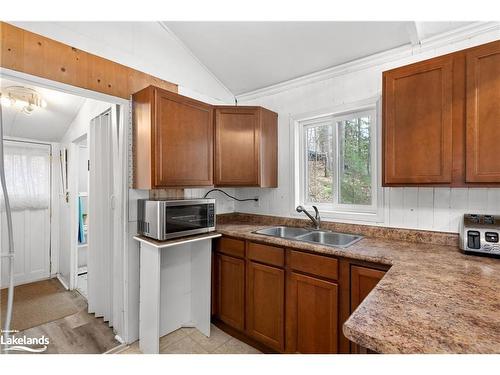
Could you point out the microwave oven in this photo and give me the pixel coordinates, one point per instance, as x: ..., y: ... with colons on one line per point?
x: 163, y: 219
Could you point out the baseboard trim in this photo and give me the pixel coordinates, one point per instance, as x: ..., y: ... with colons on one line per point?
x: 62, y: 281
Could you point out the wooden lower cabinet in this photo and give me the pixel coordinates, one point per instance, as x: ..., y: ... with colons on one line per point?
x: 311, y: 315
x: 231, y: 290
x: 288, y: 301
x: 265, y: 310
x: 363, y: 280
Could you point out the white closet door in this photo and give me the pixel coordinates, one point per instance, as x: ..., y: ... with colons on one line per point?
x: 100, y: 233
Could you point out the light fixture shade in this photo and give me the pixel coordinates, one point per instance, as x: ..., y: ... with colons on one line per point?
x: 24, y: 98
x: 7, y: 101
x: 28, y: 109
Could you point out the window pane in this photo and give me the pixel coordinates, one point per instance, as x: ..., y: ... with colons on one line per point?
x: 355, y: 161
x: 319, y: 168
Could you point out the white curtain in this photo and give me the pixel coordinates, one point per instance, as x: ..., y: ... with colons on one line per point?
x: 27, y: 174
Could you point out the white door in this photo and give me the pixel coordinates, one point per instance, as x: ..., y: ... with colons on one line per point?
x: 27, y: 172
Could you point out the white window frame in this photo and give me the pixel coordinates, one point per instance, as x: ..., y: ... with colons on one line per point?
x: 345, y: 212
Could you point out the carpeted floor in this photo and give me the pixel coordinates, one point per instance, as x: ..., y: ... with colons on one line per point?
x: 41, y: 302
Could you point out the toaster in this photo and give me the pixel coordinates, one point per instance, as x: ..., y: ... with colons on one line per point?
x: 480, y: 234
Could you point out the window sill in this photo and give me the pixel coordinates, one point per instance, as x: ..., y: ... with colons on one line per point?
x: 344, y: 216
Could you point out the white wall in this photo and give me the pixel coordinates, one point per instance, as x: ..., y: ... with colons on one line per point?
x: 223, y: 204
x: 80, y: 124
x: 145, y: 46
x: 420, y: 208
x: 83, y: 172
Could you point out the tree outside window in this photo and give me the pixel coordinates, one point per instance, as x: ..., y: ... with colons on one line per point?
x: 337, y: 159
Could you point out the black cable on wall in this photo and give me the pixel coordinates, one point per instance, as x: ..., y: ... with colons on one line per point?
x: 230, y: 196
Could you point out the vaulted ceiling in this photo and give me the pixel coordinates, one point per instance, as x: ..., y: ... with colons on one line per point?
x: 246, y: 56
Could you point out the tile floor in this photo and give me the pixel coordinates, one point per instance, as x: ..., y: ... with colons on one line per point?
x: 191, y: 341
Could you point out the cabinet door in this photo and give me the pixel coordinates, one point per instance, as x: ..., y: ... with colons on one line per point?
x: 231, y: 290
x: 417, y: 123
x: 363, y: 280
x: 483, y: 113
x: 183, y: 150
x: 237, y: 159
x: 312, y: 315
x: 265, y: 304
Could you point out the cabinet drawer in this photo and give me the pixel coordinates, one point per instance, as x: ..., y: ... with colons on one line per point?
x: 231, y: 246
x: 314, y: 264
x: 272, y: 255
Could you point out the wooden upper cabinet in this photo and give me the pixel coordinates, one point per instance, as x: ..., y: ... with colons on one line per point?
x: 483, y: 113
x: 441, y: 120
x: 417, y: 123
x: 174, y: 143
x: 265, y: 305
x: 246, y: 147
x: 173, y: 140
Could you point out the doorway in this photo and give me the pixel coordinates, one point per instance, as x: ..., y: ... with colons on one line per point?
x: 59, y: 230
x: 82, y: 196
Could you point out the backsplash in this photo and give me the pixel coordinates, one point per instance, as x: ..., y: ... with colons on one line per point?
x: 223, y: 204
x: 434, y: 209
x: 409, y: 235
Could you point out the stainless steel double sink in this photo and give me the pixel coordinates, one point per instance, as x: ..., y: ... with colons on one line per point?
x: 319, y: 237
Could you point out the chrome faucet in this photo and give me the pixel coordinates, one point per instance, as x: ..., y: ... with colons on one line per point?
x: 316, y: 219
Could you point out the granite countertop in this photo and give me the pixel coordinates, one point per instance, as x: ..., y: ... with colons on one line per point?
x: 433, y: 299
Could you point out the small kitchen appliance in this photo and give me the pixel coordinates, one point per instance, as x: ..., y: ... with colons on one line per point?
x: 163, y: 219
x: 480, y: 234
